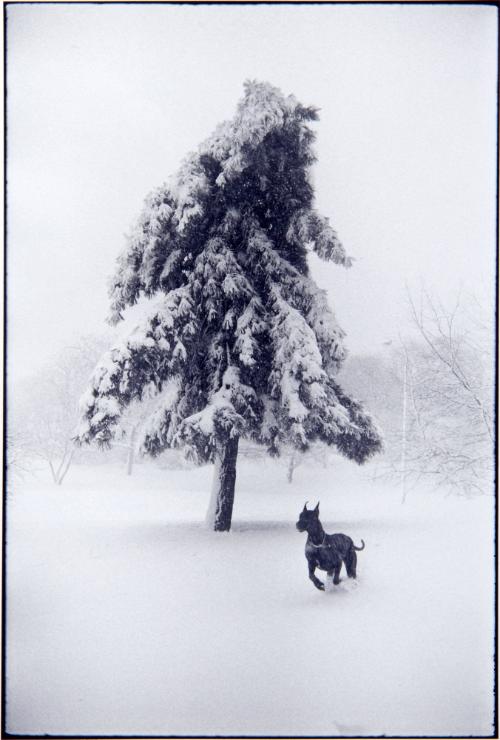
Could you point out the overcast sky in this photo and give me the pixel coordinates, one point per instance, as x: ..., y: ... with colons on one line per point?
x: 104, y: 102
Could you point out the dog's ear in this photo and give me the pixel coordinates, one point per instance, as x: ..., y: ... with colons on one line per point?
x: 305, y: 507
x: 316, y: 508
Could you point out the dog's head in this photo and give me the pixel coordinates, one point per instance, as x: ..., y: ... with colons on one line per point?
x: 307, y: 517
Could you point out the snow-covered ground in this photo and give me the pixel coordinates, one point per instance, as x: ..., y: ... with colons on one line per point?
x: 125, y: 616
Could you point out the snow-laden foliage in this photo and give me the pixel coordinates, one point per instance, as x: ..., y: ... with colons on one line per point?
x: 238, y: 326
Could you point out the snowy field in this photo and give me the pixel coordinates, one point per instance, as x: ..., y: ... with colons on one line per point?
x: 125, y: 616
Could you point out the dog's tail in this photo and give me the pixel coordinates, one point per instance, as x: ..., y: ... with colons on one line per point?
x: 359, y: 548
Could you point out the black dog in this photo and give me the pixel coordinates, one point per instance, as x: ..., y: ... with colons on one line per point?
x: 326, y: 551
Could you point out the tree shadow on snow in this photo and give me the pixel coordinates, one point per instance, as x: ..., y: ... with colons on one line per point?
x: 261, y: 526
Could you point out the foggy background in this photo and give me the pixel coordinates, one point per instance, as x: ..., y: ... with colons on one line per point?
x: 109, y: 565
x: 105, y: 101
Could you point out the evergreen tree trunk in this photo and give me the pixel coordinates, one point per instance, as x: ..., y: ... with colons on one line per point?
x: 220, y: 509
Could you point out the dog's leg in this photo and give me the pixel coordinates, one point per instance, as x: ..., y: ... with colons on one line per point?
x: 351, y: 562
x: 329, y: 581
x: 319, y: 584
x: 336, y: 574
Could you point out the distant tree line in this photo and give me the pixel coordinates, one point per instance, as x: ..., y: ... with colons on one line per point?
x: 431, y: 393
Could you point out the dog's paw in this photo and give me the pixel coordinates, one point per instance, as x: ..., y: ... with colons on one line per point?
x: 320, y: 585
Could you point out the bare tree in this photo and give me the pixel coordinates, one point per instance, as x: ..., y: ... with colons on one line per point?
x: 432, y: 394
x: 460, y: 351
x: 317, y: 454
x: 133, y: 425
x: 44, y: 414
x: 19, y: 454
x: 447, y: 379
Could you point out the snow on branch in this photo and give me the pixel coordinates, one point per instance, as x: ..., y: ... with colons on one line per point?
x: 218, y: 279
x: 263, y: 109
x: 187, y: 187
x: 308, y: 227
x: 153, y: 352
x: 149, y: 244
x: 328, y: 333
x: 301, y: 293
x: 156, y: 248
x: 251, y: 327
x: 309, y: 404
x: 296, y: 361
x: 160, y: 427
x: 357, y: 437
x: 222, y: 418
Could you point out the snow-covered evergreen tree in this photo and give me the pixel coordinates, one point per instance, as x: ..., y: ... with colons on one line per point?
x: 239, y: 341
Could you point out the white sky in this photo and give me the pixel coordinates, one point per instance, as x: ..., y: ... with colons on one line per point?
x: 104, y: 102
